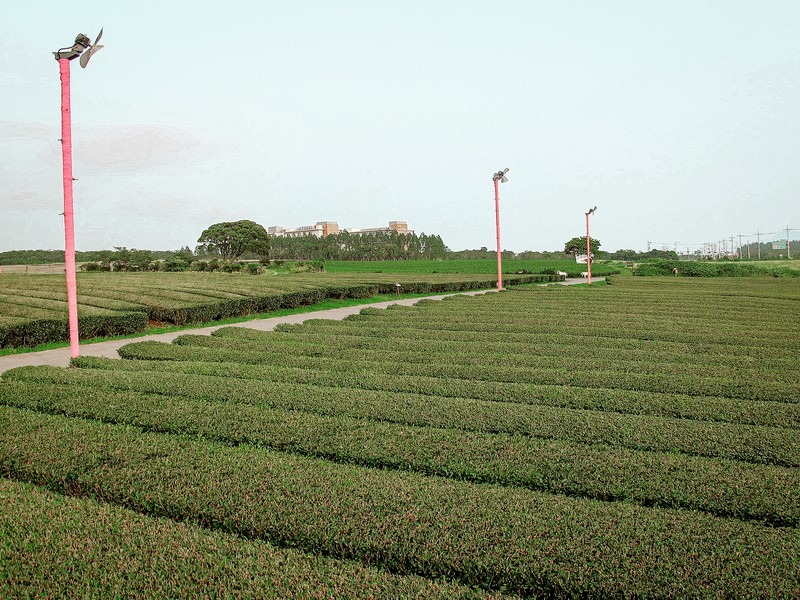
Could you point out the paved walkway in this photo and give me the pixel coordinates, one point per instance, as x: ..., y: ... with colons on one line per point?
x: 60, y: 357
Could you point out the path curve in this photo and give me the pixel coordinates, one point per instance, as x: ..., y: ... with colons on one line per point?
x: 60, y: 357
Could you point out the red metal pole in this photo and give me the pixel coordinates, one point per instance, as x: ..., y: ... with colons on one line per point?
x: 588, y: 254
x: 69, y: 221
x: 497, y: 219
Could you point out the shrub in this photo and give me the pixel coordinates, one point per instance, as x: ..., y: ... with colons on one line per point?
x: 509, y: 539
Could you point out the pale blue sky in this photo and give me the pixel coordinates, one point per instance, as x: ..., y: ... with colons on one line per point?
x: 679, y: 119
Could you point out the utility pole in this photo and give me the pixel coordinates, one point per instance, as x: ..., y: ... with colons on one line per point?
x: 788, y: 249
x: 758, y: 237
x: 740, y: 246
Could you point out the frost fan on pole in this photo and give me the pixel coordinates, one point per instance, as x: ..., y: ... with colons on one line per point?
x: 84, y: 48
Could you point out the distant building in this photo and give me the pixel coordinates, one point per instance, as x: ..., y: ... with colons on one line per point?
x: 324, y: 228
x: 395, y: 226
x: 319, y: 229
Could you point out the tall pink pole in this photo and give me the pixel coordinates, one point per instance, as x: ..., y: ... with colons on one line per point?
x: 588, y: 254
x: 69, y: 220
x: 497, y: 219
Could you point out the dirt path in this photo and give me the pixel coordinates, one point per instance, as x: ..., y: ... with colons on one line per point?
x: 60, y: 357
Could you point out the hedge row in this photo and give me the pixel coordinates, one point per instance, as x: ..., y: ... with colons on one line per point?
x: 534, y: 321
x: 710, y: 269
x: 412, y: 377
x: 217, y: 310
x: 478, y: 334
x: 171, y: 304
x: 761, y: 492
x: 749, y: 443
x: 547, y: 355
x: 562, y: 372
x: 60, y: 547
x: 498, y: 538
x: 43, y: 331
x: 522, y: 354
x: 696, y: 344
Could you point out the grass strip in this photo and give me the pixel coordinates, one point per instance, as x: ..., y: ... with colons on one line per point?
x: 497, y: 538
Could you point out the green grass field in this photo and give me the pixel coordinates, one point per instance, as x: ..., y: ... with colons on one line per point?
x: 638, y: 439
x: 470, y: 266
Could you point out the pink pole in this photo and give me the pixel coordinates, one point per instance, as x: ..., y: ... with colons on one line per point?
x: 497, y: 219
x: 588, y: 254
x: 69, y: 220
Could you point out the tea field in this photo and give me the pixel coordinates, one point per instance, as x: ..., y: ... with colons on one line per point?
x: 33, y: 308
x: 638, y: 439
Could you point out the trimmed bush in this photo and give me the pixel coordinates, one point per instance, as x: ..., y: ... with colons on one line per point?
x: 749, y: 492
x: 519, y: 541
x: 33, y: 333
x: 61, y: 547
x: 749, y: 443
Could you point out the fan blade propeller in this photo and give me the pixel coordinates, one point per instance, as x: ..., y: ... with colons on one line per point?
x: 88, y: 54
x: 91, y: 50
x: 505, y: 170
x: 504, y: 179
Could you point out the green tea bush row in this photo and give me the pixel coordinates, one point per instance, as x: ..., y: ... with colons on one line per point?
x: 165, y: 300
x: 522, y: 353
x: 483, y: 334
x: 61, y: 547
x: 33, y: 333
x: 749, y: 443
x: 553, y: 320
x: 499, y: 538
x: 529, y: 342
x: 761, y: 492
x: 507, y: 365
x: 565, y: 373
x: 411, y: 377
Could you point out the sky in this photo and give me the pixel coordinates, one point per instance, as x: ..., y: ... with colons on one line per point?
x: 678, y: 119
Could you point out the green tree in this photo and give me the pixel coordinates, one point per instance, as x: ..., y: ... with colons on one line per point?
x: 232, y: 239
x: 577, y: 245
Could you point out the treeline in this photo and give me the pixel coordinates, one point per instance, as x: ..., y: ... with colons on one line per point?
x: 707, y: 268
x: 765, y: 250
x: 348, y: 246
x: 43, y: 257
x: 485, y: 253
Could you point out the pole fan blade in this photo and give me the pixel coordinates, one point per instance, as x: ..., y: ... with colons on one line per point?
x: 88, y: 54
x: 91, y: 50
